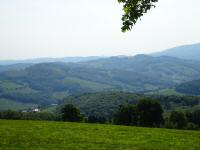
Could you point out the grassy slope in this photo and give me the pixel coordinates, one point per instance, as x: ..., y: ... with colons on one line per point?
x: 6, y: 104
x: 50, y: 109
x: 57, y: 135
x: 87, y: 84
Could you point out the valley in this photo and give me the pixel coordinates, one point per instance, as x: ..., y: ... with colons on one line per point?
x: 49, y: 83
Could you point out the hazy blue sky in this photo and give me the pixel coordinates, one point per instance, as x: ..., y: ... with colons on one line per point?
x: 58, y: 28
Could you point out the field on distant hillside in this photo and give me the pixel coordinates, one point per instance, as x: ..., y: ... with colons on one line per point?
x: 6, y: 104
x: 76, y: 136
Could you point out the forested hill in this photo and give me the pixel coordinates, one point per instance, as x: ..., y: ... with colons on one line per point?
x: 192, y: 87
x: 50, y: 82
x: 143, y: 69
x: 106, y: 103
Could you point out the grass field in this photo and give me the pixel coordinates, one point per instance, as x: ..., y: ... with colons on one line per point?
x: 27, y: 135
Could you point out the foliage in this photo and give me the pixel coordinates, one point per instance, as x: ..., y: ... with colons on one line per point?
x: 105, y: 104
x: 179, y: 119
x: 71, y: 113
x: 194, y: 117
x: 25, y: 135
x: 150, y: 113
x: 102, y: 104
x: 17, y: 115
x: 96, y: 119
x: 170, y: 102
x: 134, y: 10
x: 192, y: 126
x: 126, y: 115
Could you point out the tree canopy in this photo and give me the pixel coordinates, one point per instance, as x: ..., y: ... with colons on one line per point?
x: 71, y: 113
x: 134, y: 10
x: 178, y: 118
x: 151, y: 113
x: 126, y: 115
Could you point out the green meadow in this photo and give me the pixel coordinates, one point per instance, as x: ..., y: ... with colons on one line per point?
x: 28, y: 135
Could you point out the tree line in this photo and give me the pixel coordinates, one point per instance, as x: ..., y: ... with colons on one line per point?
x: 17, y: 115
x: 146, y: 113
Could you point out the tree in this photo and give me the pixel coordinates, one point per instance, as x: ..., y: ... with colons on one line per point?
x: 134, y: 10
x: 10, y: 114
x: 178, y: 118
x: 96, y: 119
x: 150, y: 113
x: 126, y: 115
x: 71, y: 113
x: 194, y: 117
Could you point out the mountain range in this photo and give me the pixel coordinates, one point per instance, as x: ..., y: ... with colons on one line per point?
x: 45, y: 60
x: 191, y: 52
x: 49, y: 82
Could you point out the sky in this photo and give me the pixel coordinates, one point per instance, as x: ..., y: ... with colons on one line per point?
x: 60, y: 28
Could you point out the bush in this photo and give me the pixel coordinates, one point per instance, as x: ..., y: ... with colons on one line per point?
x: 194, y: 117
x: 179, y: 119
x: 16, y: 115
x: 96, y: 119
x: 126, y: 115
x: 150, y: 113
x: 192, y: 126
x: 71, y: 113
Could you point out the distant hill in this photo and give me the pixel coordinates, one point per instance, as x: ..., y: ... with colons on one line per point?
x: 192, y: 87
x: 48, y: 60
x: 146, y: 70
x: 102, y: 104
x: 106, y: 103
x: 48, y: 83
x: 14, y: 67
x: 185, y: 52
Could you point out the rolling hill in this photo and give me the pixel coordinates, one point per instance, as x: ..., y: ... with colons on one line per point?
x: 146, y: 70
x: 192, y: 87
x: 44, y: 84
x: 48, y: 83
x: 191, y: 52
x: 105, y: 104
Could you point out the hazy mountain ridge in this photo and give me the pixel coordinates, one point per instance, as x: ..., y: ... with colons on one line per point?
x: 14, y: 67
x: 191, y: 52
x: 49, y: 60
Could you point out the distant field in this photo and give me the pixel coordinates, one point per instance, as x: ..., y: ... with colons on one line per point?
x: 6, y: 104
x: 77, y: 136
x: 88, y: 84
x: 167, y: 92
